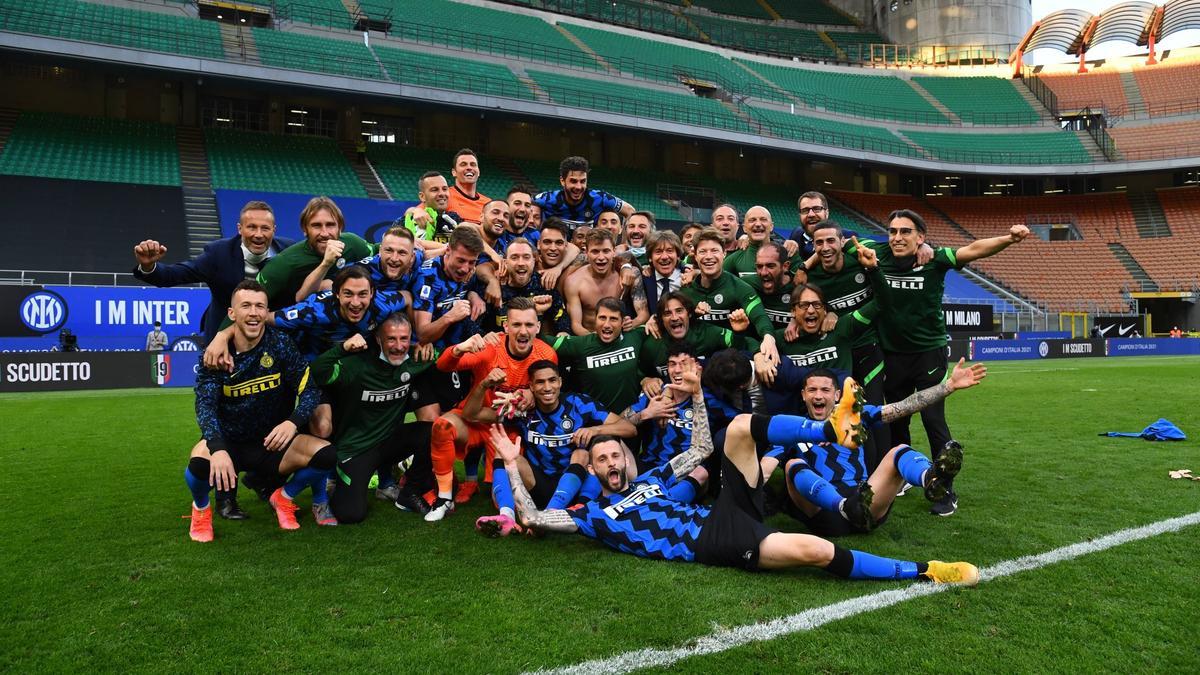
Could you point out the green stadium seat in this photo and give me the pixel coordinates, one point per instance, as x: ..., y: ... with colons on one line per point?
x: 746, y: 8
x: 469, y: 75
x: 108, y: 24
x: 1054, y: 147
x: 245, y: 160
x: 830, y: 132
x: 810, y: 11
x: 769, y: 39
x: 91, y: 148
x: 981, y: 100
x: 297, y: 51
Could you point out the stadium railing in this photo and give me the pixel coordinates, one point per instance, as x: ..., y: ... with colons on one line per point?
x: 69, y: 278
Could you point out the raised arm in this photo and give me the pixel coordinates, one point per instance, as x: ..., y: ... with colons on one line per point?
x: 702, y: 445
x: 963, y: 377
x: 982, y: 248
x: 473, y: 408
x: 552, y: 520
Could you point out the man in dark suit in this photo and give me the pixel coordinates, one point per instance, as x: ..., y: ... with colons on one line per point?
x: 665, y: 253
x: 223, y: 264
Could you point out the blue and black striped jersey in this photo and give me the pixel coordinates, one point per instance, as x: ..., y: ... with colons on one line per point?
x: 546, y: 437
x: 269, y: 384
x: 662, y: 442
x: 436, y: 293
x: 492, y: 319
x: 644, y: 520
x: 317, y: 324
x: 594, y: 202
x: 405, y: 283
x: 838, y: 465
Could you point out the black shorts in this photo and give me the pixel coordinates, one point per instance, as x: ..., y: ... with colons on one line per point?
x: 445, y: 389
x: 543, y: 487
x: 733, y: 530
x: 253, y: 457
x: 831, y: 523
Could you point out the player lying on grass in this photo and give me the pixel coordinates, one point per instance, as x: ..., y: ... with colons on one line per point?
x: 553, y: 435
x: 640, y: 517
x: 828, y: 482
x: 248, y: 418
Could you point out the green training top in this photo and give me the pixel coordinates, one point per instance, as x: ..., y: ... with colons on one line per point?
x: 741, y: 262
x: 778, y: 306
x: 727, y: 294
x: 845, y: 291
x: 609, y: 373
x: 911, y: 319
x: 369, y: 395
x: 834, y: 349
x: 705, y: 338
x: 282, y: 278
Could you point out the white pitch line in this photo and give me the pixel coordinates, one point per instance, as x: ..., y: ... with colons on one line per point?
x: 819, y: 616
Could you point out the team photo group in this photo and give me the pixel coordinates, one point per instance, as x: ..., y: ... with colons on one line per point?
x: 597, y: 374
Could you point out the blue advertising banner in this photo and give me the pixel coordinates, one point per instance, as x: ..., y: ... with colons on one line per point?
x: 1006, y: 350
x: 100, y: 318
x: 368, y: 218
x: 1044, y: 335
x: 1154, y: 346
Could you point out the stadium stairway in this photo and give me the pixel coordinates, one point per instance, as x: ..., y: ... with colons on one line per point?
x: 941, y: 107
x: 582, y: 46
x: 512, y: 170
x: 1138, y: 273
x: 238, y: 44
x: 8, y: 117
x: 199, y: 206
x: 1133, y: 93
x: 524, y: 78
x: 366, y: 174
x: 1089, y: 145
x: 1148, y: 214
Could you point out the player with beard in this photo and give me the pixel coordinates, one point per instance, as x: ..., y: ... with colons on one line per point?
x: 519, y: 200
x: 813, y: 208
x: 371, y: 387
x: 575, y: 203
x: 664, y: 421
x: 452, y: 436
x: 725, y: 221
x: 555, y: 252
x: 639, y: 230
x: 493, y: 225
x: 912, y: 325
x: 398, y: 263
x: 535, y: 217
x: 297, y: 272
x: 611, y: 221
x: 816, y: 348
x: 523, y: 280
x: 773, y: 283
x: 554, y: 433
x: 604, y: 364
x: 438, y: 223
x: 759, y: 229
x: 675, y: 318
x: 600, y: 279
x: 832, y: 490
x: 717, y: 293
x: 641, y: 518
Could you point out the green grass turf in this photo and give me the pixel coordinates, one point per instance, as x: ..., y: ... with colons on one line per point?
x: 98, y: 571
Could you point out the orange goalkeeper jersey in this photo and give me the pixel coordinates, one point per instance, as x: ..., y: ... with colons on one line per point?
x: 497, y: 356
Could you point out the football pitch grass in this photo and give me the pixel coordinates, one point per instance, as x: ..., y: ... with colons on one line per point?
x: 98, y: 572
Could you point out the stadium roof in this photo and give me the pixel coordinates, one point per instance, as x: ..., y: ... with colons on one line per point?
x: 1139, y: 22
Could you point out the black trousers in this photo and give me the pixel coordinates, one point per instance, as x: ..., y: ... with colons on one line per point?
x: 868, y: 361
x: 350, y: 500
x: 906, y: 374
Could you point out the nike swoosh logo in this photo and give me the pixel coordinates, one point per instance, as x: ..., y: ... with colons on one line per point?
x: 1124, y: 329
x: 1104, y: 331
x: 932, y: 371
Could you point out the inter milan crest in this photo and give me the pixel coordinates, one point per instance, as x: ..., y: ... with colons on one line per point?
x: 687, y: 414
x: 266, y: 361
x: 718, y: 298
x: 859, y: 278
x: 787, y: 298
x: 404, y: 377
x: 567, y: 424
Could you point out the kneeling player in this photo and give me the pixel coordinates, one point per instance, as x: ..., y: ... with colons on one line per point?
x: 641, y: 518
x: 371, y: 389
x: 828, y: 483
x: 554, y: 433
x: 248, y: 420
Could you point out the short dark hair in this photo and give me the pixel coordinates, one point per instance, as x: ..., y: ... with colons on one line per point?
x: 427, y: 174
x: 645, y: 214
x: 543, y: 363
x: 674, y: 295
x: 468, y: 237
x: 249, y: 285
x: 555, y: 223
x: 611, y: 304
x: 907, y: 213
x: 799, y: 289
x: 520, y: 240
x: 827, y: 224
x: 394, y: 318
x: 726, y: 372
x: 350, y: 272
x: 778, y: 248
x: 680, y: 347
x: 819, y: 372
x: 572, y: 163
x: 709, y: 234
x: 665, y: 237
x: 812, y: 194
x: 256, y: 205
x: 519, y: 303
x: 460, y: 153
x: 602, y: 438
x: 521, y: 187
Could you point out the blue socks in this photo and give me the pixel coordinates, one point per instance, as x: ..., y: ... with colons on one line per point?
x: 568, y: 486
x: 502, y: 489
x: 814, y: 488
x: 590, y: 489
x: 197, y: 484
x: 685, y: 491
x: 307, y: 477
x: 850, y: 564
x: 913, y: 466
x: 787, y: 430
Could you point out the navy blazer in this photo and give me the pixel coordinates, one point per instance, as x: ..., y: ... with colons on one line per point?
x: 221, y: 266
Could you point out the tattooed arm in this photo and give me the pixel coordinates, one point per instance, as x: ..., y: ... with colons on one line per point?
x: 553, y: 520
x: 963, y: 377
x: 702, y: 445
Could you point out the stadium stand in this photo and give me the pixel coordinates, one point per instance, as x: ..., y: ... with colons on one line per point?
x: 856, y: 45
x: 1099, y: 89
x: 764, y: 38
x: 981, y: 100
x: 831, y: 132
x: 317, y: 54
x: 91, y: 148
x: 1181, y: 206
x: 245, y: 160
x: 1158, y: 140
x: 874, y: 96
x: 628, y: 100
x: 112, y: 25
x: 751, y: 10
x: 330, y: 13
x: 1104, y: 216
x: 638, y: 187
x: 471, y: 75
x: 1172, y: 87
x: 810, y: 11
x: 1054, y: 147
